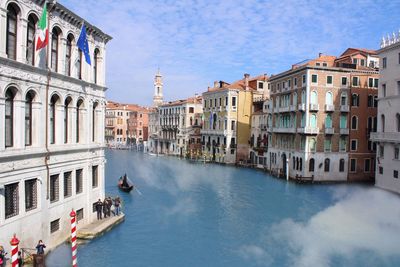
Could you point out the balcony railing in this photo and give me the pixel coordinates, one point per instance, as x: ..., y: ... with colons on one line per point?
x: 284, y: 130
x: 392, y: 137
x: 329, y: 108
x: 292, y: 108
x: 329, y: 130
x: 344, y: 131
x: 308, y: 130
x: 344, y: 108
x: 314, y: 107
x: 302, y: 107
x: 284, y: 109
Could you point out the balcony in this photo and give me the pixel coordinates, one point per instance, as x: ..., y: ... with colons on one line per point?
x: 329, y: 108
x: 344, y: 108
x: 314, y: 107
x: 284, y: 109
x: 344, y: 131
x: 276, y: 110
x: 308, y: 130
x: 302, y: 107
x: 292, y: 108
x: 329, y: 130
x: 392, y: 137
x: 284, y: 130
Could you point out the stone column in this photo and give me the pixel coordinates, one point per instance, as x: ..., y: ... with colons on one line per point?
x: 21, y: 40
x: 3, y: 29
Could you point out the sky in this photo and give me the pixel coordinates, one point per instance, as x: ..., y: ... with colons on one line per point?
x: 196, y: 42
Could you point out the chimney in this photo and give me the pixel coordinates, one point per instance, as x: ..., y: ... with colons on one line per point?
x: 319, y: 54
x: 246, y: 81
x: 215, y: 84
x: 220, y: 84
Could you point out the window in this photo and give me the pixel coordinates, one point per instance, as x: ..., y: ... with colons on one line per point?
x: 52, y: 117
x: 396, y: 153
x: 383, y: 123
x: 313, y: 121
x: 313, y: 145
x: 327, y: 163
x: 355, y: 100
x: 354, y: 123
x: 353, y: 145
x: 66, y: 118
x: 314, y: 78
x: 94, y: 118
x: 233, y: 125
x: 383, y: 90
x: 11, y: 199
x: 398, y: 87
x: 324, y: 64
x: 234, y: 102
x: 314, y: 97
x: 54, y: 226
x: 311, y: 166
x: 362, y: 62
x: 79, y: 181
x: 343, y: 99
x: 9, y: 117
x: 30, y: 194
x: 96, y: 65
x: 54, y: 188
x: 54, y: 49
x: 380, y: 170
x: 381, y: 151
x: 384, y: 63
x: 295, y: 81
x: 79, y: 215
x: 353, y: 165
x: 329, y: 98
x: 67, y: 184
x: 30, y: 40
x: 78, y: 65
x: 327, y: 145
x: 355, y: 61
x: 395, y: 174
x: 370, y: 82
x: 376, y: 83
x: 342, y: 144
x: 28, y: 118
x: 341, y: 165
x: 329, y: 80
x: 370, y: 102
x: 344, y: 80
x: 367, y: 165
x: 303, y: 80
x: 356, y: 81
x: 317, y: 64
x: 11, y: 38
x: 191, y: 109
x: 398, y: 122
x: 68, y: 54
x: 95, y: 176
x: 78, y: 125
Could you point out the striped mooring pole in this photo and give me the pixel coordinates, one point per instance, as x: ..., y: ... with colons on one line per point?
x: 73, y: 238
x: 14, y: 251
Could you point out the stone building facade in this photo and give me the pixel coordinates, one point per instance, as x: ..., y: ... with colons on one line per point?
x: 52, y: 124
x: 388, y: 133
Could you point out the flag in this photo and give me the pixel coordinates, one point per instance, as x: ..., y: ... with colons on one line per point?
x: 83, y: 44
x: 43, y: 37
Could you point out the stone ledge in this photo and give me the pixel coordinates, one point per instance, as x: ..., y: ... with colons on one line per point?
x: 99, y: 227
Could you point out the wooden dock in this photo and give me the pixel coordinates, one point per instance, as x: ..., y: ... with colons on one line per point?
x: 99, y: 227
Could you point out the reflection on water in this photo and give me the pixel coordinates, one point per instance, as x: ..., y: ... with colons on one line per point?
x: 210, y: 215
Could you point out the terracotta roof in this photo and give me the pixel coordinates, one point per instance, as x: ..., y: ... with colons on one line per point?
x: 350, y: 51
x: 129, y: 107
x: 239, y: 84
x: 190, y: 100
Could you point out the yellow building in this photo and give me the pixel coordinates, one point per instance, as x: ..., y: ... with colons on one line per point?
x: 227, y: 112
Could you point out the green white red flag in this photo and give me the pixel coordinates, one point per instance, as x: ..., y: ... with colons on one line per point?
x: 43, y: 36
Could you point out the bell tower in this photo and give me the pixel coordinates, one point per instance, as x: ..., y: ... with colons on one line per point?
x: 158, y: 90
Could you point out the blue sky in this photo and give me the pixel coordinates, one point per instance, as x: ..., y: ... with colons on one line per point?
x: 195, y: 42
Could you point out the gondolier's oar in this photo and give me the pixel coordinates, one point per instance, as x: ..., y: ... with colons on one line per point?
x: 137, y: 190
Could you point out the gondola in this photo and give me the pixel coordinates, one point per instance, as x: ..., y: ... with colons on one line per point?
x: 124, y: 185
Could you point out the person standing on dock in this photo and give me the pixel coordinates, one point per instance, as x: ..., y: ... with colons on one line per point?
x: 117, y: 203
x: 99, y: 209
x: 105, y: 208
x: 40, y: 247
x: 109, y: 204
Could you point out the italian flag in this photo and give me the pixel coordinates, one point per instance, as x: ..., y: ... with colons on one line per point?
x: 43, y: 37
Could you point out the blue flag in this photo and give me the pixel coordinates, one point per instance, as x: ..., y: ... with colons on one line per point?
x: 83, y: 44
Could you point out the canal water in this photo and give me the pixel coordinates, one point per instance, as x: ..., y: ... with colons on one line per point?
x: 192, y: 214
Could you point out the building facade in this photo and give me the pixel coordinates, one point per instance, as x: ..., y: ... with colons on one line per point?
x: 52, y: 138
x: 388, y: 132
x: 227, y: 113
x: 323, y: 111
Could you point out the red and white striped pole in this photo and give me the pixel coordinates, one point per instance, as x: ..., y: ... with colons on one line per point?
x: 14, y: 251
x: 73, y: 238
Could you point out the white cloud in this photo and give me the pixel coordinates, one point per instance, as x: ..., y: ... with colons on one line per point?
x: 255, y: 254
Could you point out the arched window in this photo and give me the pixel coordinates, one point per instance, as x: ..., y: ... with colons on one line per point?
x: 294, y: 99
x: 314, y: 97
x: 30, y: 40
x: 52, y: 116
x: 328, y: 121
x: 313, y: 121
x: 383, y: 123
x: 28, y: 118
x: 312, y: 144
x: 96, y: 65
x: 214, y: 121
x: 329, y: 98
x: 341, y: 165
x: 55, y: 35
x: 303, y: 97
x: 79, y: 65
x: 311, y: 166
x: 354, y: 123
x: 78, y: 126
x: 294, y: 162
x: 327, y: 163
x: 68, y: 54
x: 398, y: 122
x: 94, y: 124
x: 66, y: 118
x: 301, y: 164
x: 355, y: 100
x: 9, y: 117
x: 343, y: 99
x: 11, y: 38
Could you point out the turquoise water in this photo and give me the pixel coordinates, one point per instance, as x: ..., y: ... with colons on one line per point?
x: 210, y: 215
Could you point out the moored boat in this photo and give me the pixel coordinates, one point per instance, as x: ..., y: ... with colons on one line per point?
x: 124, y: 185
